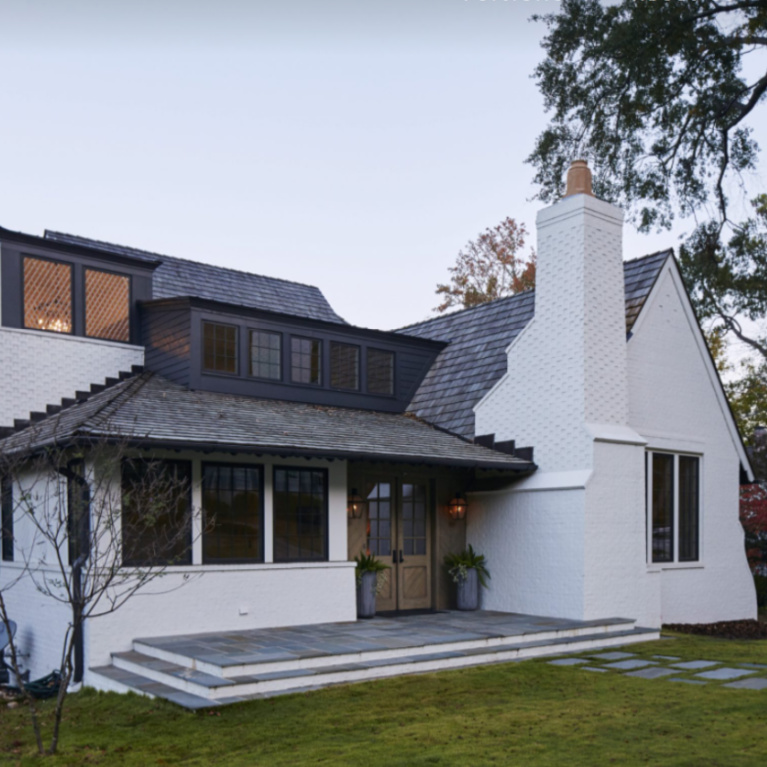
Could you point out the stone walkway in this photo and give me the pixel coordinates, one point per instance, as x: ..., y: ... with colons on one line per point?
x: 740, y: 676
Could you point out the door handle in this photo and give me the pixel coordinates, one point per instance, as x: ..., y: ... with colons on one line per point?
x: 400, y: 556
x: 394, y: 556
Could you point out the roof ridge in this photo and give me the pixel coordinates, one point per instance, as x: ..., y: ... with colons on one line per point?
x: 667, y: 252
x: 155, y: 254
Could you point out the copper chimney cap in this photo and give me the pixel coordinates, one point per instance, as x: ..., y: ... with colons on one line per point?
x: 578, y: 179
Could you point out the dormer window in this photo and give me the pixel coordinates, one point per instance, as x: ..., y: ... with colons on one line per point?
x: 107, y: 305
x: 344, y: 366
x: 266, y: 354
x: 306, y: 360
x: 47, y: 295
x: 219, y: 348
x: 380, y: 372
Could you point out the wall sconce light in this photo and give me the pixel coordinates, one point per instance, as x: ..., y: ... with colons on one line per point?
x: 354, y: 505
x: 457, y: 507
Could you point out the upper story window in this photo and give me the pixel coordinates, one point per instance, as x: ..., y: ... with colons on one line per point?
x: 344, y: 366
x: 219, y: 348
x: 266, y: 354
x: 306, y: 360
x: 107, y: 305
x: 47, y: 295
x: 673, y: 495
x: 380, y: 378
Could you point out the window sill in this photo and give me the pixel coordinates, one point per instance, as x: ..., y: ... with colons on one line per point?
x: 240, y: 567
x: 656, y: 567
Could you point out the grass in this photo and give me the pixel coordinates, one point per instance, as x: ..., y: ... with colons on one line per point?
x: 528, y: 713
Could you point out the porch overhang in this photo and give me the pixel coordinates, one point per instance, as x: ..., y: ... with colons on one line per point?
x: 150, y: 412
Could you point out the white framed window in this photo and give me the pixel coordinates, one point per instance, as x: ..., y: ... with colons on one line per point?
x: 673, y: 507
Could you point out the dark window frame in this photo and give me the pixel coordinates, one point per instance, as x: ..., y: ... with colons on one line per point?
x: 72, y: 306
x: 321, y: 346
x: 78, y: 494
x: 6, y: 518
x: 393, y: 356
x: 186, y: 559
x: 211, y: 371
x: 325, y: 513
x: 358, y: 348
x: 280, y: 378
x: 207, y: 560
x: 128, y: 277
x: 682, y: 522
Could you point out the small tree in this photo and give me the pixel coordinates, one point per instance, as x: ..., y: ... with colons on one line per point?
x: 93, y: 525
x: 489, y: 267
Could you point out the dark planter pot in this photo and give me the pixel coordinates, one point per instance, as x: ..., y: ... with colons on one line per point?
x: 467, y: 591
x: 366, y: 595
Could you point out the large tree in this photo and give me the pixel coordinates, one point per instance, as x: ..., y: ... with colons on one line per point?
x: 489, y: 267
x: 660, y: 97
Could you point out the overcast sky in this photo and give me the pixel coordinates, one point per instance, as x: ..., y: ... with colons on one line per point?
x: 354, y: 145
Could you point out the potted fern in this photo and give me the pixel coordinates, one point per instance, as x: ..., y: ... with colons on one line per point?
x: 468, y: 571
x: 369, y: 583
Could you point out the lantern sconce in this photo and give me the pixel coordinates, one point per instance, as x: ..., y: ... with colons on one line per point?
x: 354, y: 505
x: 457, y: 507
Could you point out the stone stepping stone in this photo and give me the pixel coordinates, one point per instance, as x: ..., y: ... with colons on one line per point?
x: 753, y: 665
x: 666, y: 657
x: 567, y: 661
x: 693, y: 665
x: 749, y: 684
x: 628, y: 665
x: 651, y: 673
x: 686, y: 681
x: 720, y: 674
x: 593, y: 668
x: 612, y: 656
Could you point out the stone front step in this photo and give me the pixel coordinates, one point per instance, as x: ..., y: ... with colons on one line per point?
x: 192, y: 687
x: 236, y: 667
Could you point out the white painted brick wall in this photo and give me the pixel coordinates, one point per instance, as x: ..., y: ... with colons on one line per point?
x: 674, y: 405
x: 38, y: 369
x: 570, y: 541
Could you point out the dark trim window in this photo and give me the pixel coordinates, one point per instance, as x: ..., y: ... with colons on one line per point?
x: 107, y: 305
x: 674, y: 514
x: 232, y: 512
x: 306, y: 360
x: 47, y: 295
x: 380, y: 378
x: 156, y: 512
x: 300, y: 515
x: 266, y: 354
x: 78, y: 512
x: 219, y: 343
x: 7, y: 518
x: 344, y: 366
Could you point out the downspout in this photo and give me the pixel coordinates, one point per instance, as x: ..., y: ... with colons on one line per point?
x: 83, y: 541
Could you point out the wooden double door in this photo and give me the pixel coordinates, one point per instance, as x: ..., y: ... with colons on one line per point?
x: 398, y: 532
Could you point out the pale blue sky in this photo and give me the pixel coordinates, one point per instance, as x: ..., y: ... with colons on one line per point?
x: 352, y: 145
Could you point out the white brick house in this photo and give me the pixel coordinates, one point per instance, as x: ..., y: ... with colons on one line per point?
x: 623, y: 502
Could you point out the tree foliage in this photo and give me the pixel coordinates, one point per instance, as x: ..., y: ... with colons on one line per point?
x: 753, y: 516
x: 489, y: 267
x: 656, y: 96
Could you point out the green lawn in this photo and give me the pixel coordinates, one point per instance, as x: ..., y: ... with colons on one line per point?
x: 526, y: 713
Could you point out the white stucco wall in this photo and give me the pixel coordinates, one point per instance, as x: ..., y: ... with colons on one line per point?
x: 38, y: 369
x: 676, y: 404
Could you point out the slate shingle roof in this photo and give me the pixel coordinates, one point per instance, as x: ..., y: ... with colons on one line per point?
x: 476, y: 356
x: 150, y: 411
x: 181, y: 277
